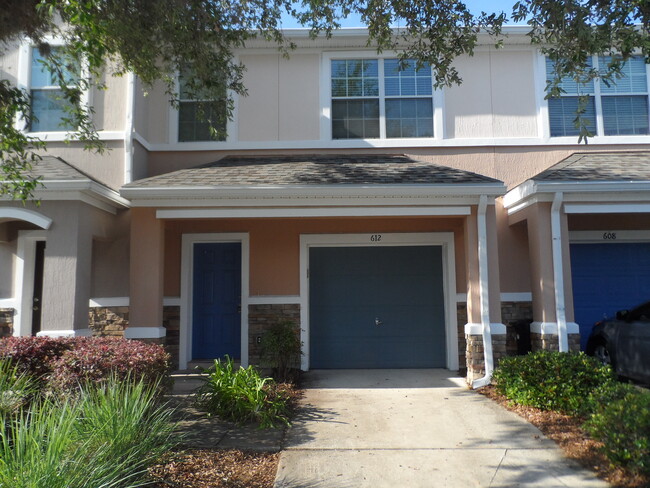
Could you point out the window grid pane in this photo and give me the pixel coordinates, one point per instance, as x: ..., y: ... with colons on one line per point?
x: 569, y: 86
x: 562, y: 115
x: 409, y: 117
x: 634, y: 78
x: 194, y: 126
x: 625, y: 115
x: 355, y: 119
x: 48, y: 111
x: 407, y: 81
x: 355, y: 78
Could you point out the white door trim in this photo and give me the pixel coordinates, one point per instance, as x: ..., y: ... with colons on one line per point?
x: 444, y: 239
x: 24, y: 279
x: 187, y: 276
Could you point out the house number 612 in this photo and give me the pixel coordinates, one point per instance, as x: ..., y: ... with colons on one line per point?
x: 375, y: 238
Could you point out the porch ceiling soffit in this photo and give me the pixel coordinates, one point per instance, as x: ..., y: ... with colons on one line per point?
x: 611, y: 182
x: 308, y: 181
x: 62, y: 181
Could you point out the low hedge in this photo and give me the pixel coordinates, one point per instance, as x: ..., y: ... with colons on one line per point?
x: 623, y: 426
x: 616, y: 414
x: 550, y: 380
x: 64, y: 363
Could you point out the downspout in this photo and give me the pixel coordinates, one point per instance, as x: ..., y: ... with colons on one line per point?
x: 558, y: 274
x: 484, y: 294
x: 128, y: 128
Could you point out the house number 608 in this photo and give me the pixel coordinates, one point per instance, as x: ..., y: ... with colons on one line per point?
x: 609, y: 236
x: 375, y: 238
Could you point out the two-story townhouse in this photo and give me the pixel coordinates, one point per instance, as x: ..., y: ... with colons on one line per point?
x: 394, y: 224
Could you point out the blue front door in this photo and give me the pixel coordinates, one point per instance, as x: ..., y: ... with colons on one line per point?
x: 216, y: 312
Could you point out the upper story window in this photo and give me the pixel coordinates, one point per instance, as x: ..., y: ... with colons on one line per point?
x: 197, y: 114
x: 618, y: 109
x: 48, y: 105
x: 380, y: 98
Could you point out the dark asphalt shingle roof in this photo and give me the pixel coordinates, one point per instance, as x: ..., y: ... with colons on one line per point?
x: 611, y: 166
x: 51, y: 168
x: 313, y: 170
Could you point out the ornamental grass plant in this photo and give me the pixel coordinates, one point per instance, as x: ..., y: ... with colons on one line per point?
x: 242, y: 395
x: 106, y: 436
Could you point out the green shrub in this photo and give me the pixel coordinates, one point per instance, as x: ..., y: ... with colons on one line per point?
x: 281, y: 350
x: 550, y: 380
x: 624, y: 428
x: 105, y: 438
x: 242, y: 395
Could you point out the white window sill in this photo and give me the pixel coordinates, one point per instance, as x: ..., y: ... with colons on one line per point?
x: 60, y: 136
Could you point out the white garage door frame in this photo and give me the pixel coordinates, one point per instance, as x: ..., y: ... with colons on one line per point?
x: 443, y: 239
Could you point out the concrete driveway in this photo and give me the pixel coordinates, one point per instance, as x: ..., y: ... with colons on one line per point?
x: 414, y: 428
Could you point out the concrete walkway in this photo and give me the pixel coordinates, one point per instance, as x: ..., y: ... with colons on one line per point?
x: 414, y: 428
x: 197, y: 430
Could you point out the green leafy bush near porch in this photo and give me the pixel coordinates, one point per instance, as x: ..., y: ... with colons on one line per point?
x: 62, y: 364
x: 108, y: 435
x: 623, y: 426
x: 616, y: 414
x: 281, y: 350
x: 242, y: 395
x: 548, y: 380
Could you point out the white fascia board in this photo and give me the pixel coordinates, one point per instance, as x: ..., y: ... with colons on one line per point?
x: 93, y: 193
x: 532, y: 191
x: 252, y: 213
x: 315, y: 194
x: 606, y: 208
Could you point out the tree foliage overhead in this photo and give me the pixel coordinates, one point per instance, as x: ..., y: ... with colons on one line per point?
x: 156, y: 39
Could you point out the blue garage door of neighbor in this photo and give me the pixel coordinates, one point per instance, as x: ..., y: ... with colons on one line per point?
x: 376, y: 307
x: 216, y: 319
x: 606, y: 278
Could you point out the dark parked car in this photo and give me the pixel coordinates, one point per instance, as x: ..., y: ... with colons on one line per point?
x: 624, y: 342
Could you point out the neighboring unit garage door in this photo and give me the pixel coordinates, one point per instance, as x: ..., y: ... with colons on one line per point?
x: 376, y: 307
x: 606, y: 278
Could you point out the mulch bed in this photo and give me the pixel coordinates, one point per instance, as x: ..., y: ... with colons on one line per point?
x: 215, y: 468
x: 566, y: 431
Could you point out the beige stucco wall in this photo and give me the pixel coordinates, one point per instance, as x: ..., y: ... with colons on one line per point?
x: 283, y: 98
x: 7, y: 267
x: 496, y: 98
x: 9, y: 62
x: 110, y: 103
x: 110, y: 257
x: 259, y: 111
x: 275, y: 246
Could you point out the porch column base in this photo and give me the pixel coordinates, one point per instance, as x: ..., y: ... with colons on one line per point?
x: 65, y: 333
x: 544, y: 336
x: 145, y: 333
x: 475, y: 352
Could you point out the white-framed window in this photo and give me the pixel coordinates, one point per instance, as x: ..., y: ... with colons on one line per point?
x: 383, y: 98
x: 615, y: 110
x: 48, y: 105
x: 197, y: 113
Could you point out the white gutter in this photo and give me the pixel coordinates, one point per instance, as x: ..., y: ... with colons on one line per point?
x: 128, y: 128
x: 483, y: 294
x: 558, y: 275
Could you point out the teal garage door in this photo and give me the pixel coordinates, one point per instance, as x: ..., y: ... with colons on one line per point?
x: 376, y: 307
x: 607, y: 277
